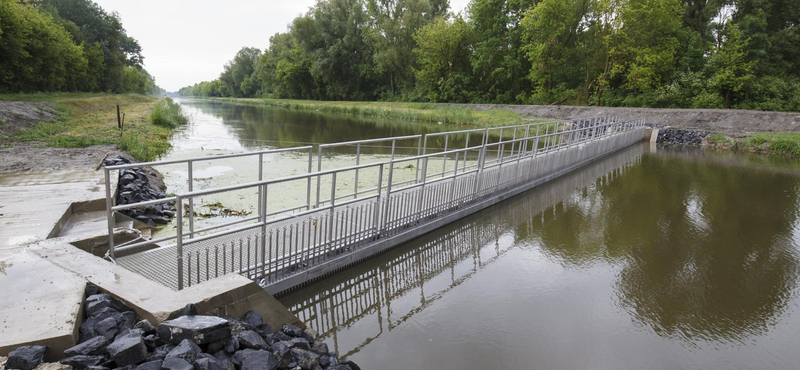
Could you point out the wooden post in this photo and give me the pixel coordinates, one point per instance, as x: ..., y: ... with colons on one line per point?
x: 119, y: 120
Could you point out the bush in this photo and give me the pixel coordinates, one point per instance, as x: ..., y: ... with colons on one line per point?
x: 168, y: 114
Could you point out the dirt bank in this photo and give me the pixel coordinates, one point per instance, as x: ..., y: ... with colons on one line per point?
x: 35, y: 156
x: 18, y: 115
x: 731, y: 122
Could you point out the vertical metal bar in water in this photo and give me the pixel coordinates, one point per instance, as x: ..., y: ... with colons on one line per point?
x: 263, y: 215
x: 179, y: 240
x: 191, y: 202
x: 444, y: 156
x: 189, y: 271
x: 241, y: 255
x: 208, y: 266
x: 419, y: 148
x: 249, y: 262
x: 358, y: 162
x: 109, y: 213
x: 319, y: 177
x: 224, y: 258
x: 308, y: 180
x: 422, y: 190
x: 378, y: 199
x: 389, y: 192
x: 269, y: 260
x: 333, y: 203
x: 260, y: 178
x: 263, y: 256
x: 197, y: 258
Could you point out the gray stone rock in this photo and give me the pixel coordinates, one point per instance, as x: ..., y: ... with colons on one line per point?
x: 26, y: 357
x: 151, y: 341
x: 96, y: 368
x: 339, y: 367
x: 81, y: 362
x: 320, y: 348
x: 200, y: 329
x: 291, y: 330
x: 176, y: 363
x: 307, y: 360
x: 283, y: 351
x: 126, y: 321
x: 186, y: 350
x: 150, y: 365
x: 98, y: 301
x: 189, y: 310
x: 301, y: 343
x: 146, y: 327
x: 251, y: 339
x: 253, y: 318
x: 160, y: 352
x: 108, y: 327
x: 94, y: 346
x: 324, y: 361
x: 216, y: 346
x: 129, y: 367
x: 250, y: 359
x: 232, y: 345
x: 210, y: 363
x: 128, y: 349
x: 91, y: 290
x: 352, y: 365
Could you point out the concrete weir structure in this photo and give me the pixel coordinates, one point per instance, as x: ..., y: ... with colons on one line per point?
x: 236, y: 266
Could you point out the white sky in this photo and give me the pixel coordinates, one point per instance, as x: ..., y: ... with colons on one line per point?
x: 185, y: 42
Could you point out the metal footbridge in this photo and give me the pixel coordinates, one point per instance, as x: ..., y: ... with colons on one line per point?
x: 340, y: 213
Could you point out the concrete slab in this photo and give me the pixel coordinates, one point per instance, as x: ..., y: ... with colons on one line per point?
x: 41, y: 304
x: 228, y: 295
x: 33, y: 204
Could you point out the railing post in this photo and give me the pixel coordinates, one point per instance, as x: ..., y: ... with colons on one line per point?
x: 263, y: 215
x: 333, y: 206
x: 358, y: 162
x: 378, y: 201
x: 422, y: 189
x: 389, y: 196
x: 109, y: 213
x: 308, y: 182
x: 419, y: 148
x: 191, y: 201
x: 444, y: 156
x: 260, y: 178
x: 179, y: 240
x: 319, y: 177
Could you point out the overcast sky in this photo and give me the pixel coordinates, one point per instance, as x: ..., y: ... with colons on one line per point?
x: 185, y: 42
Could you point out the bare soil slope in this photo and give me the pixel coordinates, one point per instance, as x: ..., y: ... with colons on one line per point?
x: 727, y: 121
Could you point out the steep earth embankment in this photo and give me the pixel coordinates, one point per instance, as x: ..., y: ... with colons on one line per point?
x: 736, y: 123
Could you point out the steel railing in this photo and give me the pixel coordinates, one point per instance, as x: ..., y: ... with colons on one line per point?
x: 341, y: 220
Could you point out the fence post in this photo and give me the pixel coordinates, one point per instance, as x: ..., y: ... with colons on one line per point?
x: 179, y: 240
x: 375, y: 219
x: 191, y: 201
x: 109, y: 213
x: 389, y: 196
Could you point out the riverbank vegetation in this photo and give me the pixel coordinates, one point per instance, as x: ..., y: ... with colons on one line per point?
x: 423, y: 112
x: 68, y: 46
x: 82, y: 120
x: 781, y: 143
x: 643, y: 53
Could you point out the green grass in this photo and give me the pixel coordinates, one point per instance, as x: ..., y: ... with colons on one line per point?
x: 785, y: 143
x: 91, y: 119
x: 423, y: 112
x: 168, y: 114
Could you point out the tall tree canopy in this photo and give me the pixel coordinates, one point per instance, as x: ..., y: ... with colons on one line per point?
x: 649, y: 53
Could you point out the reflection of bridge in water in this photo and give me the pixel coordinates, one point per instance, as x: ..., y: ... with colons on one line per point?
x: 443, y: 260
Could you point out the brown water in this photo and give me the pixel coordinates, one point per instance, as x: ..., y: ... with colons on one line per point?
x: 677, y: 259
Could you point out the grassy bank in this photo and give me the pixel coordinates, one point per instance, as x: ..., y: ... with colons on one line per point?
x: 780, y: 143
x: 423, y: 112
x: 82, y: 120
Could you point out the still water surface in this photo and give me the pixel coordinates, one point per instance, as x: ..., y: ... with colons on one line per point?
x: 667, y: 260
x: 673, y: 259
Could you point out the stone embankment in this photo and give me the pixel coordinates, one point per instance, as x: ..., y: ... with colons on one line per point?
x: 681, y: 137
x: 112, y: 337
x: 139, y: 185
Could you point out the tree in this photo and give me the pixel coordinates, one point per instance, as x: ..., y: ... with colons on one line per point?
x: 444, y: 51
x: 238, y: 74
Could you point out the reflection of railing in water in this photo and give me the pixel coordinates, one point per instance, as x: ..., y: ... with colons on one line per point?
x: 338, y: 231
x: 363, y: 291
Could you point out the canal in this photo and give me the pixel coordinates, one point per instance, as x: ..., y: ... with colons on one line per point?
x: 649, y: 258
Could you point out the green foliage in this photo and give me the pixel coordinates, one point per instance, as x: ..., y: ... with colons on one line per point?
x: 168, y: 114
x: 738, y: 54
x: 67, y: 45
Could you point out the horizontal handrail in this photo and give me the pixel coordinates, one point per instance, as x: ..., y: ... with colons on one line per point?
x: 206, y: 158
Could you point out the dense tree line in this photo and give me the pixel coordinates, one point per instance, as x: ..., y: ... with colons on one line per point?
x: 68, y: 45
x: 651, y: 53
